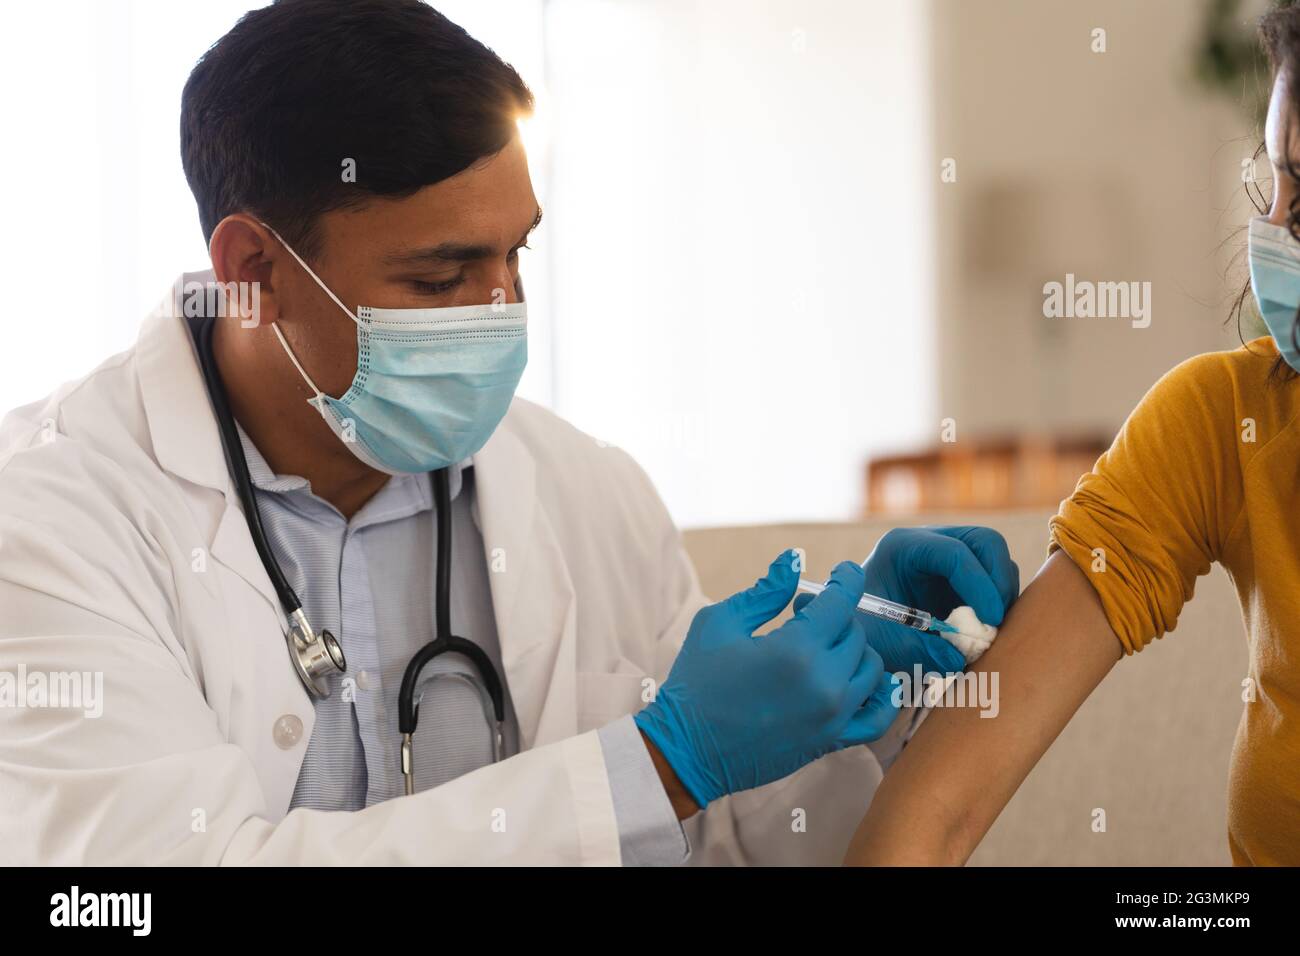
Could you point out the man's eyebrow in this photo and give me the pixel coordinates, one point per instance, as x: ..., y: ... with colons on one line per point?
x: 454, y: 251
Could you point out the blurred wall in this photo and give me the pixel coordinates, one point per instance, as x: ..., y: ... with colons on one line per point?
x: 1113, y: 166
x: 747, y: 238
x: 733, y: 278
x: 742, y: 267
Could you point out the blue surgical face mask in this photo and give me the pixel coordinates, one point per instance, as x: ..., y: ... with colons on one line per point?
x: 431, y: 384
x: 1275, y: 278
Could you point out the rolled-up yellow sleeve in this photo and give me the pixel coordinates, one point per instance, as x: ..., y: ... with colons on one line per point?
x: 1156, y: 509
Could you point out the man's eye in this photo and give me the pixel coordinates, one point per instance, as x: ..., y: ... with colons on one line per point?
x: 435, y: 288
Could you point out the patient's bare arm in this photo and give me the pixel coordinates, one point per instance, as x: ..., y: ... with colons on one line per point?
x: 959, y: 770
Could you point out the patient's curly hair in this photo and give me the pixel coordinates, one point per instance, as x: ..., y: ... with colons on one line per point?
x: 1279, y: 33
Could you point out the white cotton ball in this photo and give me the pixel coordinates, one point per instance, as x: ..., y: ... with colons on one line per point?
x: 972, y: 637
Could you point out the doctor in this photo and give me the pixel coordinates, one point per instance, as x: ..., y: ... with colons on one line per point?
x: 183, y: 527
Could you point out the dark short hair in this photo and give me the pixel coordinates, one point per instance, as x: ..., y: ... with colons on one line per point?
x: 271, y: 112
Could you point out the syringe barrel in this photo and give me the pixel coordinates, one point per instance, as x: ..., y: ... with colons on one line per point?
x: 881, y: 607
x: 893, y: 611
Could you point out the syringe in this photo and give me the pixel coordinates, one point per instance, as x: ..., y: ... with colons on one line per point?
x: 889, y: 610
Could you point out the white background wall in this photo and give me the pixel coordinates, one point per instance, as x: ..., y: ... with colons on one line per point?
x: 734, y: 278
x: 742, y: 267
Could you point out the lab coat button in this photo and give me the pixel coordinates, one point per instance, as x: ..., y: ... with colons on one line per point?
x: 287, y: 731
x: 363, y: 680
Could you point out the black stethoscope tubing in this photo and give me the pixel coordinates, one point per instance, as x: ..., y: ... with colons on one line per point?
x: 445, y: 642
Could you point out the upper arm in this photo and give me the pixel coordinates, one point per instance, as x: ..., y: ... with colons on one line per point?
x: 1155, y: 512
x: 1152, y: 515
x: 1158, y: 507
x: 961, y: 768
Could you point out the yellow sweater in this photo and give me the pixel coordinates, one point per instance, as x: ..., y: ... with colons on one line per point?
x: 1207, y: 468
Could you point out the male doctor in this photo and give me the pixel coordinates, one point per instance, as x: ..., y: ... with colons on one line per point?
x: 357, y: 166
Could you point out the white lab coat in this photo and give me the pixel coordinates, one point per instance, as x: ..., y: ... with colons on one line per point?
x: 124, y: 551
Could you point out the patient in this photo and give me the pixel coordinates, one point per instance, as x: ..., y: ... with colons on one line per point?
x: 1206, y: 469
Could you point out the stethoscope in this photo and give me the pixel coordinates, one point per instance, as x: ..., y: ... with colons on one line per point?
x: 317, y: 657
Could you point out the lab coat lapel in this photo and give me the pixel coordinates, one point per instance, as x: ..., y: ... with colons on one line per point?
x: 532, y: 593
x: 233, y: 546
x: 183, y: 427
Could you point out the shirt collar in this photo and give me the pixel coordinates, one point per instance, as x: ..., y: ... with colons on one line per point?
x: 260, y: 473
x: 401, y: 494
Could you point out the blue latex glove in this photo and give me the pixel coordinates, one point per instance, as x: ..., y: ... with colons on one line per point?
x: 936, y: 569
x: 739, y: 711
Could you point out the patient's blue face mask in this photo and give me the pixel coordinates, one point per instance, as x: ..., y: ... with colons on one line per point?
x: 1275, y: 278
x: 431, y: 384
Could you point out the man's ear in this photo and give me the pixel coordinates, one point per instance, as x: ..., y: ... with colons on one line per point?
x: 244, y: 254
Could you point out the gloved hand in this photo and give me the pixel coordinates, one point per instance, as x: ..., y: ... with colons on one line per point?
x: 739, y: 711
x: 935, y: 569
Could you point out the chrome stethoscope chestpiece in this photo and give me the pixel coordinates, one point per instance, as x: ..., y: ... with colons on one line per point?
x: 317, y: 658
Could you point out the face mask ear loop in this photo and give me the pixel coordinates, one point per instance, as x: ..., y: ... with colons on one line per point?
x: 317, y: 393
x: 307, y: 269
